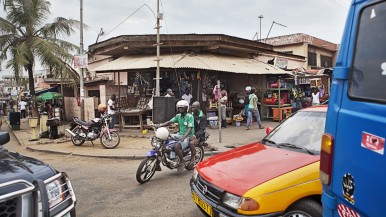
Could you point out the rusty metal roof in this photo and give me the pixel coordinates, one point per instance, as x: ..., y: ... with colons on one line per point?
x: 191, y: 61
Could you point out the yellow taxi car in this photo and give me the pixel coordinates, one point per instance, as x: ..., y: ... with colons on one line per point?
x: 278, y: 176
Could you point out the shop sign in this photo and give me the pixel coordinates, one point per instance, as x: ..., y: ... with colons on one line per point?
x: 281, y: 63
x: 303, y: 80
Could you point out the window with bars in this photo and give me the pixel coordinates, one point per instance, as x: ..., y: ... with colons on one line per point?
x: 325, y: 61
x: 311, y: 59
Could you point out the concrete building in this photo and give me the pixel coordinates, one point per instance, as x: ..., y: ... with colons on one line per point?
x: 319, y: 53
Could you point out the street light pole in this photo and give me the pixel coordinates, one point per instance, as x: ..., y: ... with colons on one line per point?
x: 81, y: 69
x: 260, y: 17
x: 157, y: 75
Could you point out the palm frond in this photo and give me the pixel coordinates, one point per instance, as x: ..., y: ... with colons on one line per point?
x: 7, y: 27
x: 61, y: 27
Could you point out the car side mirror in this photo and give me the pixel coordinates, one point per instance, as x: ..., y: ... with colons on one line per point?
x: 4, y: 138
x: 268, y: 130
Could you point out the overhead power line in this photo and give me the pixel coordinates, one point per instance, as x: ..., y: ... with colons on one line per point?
x: 144, y: 5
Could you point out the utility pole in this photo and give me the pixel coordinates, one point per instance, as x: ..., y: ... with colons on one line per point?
x: 260, y: 17
x: 81, y: 69
x: 157, y: 75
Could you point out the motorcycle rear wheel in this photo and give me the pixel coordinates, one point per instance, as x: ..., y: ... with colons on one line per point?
x: 199, y: 157
x: 112, y: 142
x: 75, y: 139
x: 146, y: 169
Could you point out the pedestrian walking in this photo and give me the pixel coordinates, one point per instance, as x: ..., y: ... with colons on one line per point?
x: 253, y: 111
x: 246, y: 99
x: 22, y: 105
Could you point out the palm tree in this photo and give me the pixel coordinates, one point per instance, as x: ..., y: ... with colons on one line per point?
x: 26, y: 38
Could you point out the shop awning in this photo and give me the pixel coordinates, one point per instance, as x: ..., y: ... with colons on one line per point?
x: 191, y: 61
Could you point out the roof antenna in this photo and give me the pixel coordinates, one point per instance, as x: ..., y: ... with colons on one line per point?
x: 271, y: 29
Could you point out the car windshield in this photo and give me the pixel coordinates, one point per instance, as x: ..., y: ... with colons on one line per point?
x: 302, y: 132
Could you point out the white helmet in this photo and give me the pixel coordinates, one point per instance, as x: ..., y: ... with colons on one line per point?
x: 162, y: 133
x: 183, y: 104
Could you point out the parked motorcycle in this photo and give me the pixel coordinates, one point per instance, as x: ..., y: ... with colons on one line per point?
x: 82, y: 131
x: 162, y: 152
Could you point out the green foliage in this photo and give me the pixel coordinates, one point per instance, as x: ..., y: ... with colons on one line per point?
x: 27, y: 37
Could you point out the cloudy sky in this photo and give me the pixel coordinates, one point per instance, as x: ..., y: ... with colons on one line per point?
x: 324, y: 19
x: 320, y: 18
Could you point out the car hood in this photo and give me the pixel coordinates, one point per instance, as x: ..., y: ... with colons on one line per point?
x: 243, y: 168
x: 15, y: 166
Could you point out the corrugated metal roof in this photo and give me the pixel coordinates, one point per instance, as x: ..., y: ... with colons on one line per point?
x: 192, y: 61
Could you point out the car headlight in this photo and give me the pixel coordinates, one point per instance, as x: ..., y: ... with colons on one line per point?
x: 248, y: 204
x: 195, y: 175
x: 55, y: 192
x: 231, y: 200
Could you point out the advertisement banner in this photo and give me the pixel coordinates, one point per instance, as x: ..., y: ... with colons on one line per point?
x: 80, y: 61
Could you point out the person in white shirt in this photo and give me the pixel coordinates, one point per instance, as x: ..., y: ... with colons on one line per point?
x: 187, y: 96
x: 22, y: 105
x: 315, y: 97
x: 111, y: 110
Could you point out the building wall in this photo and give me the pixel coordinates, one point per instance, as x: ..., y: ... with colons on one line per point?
x: 88, y: 88
x: 108, y: 90
x: 291, y: 63
x: 72, y: 108
x: 122, y: 76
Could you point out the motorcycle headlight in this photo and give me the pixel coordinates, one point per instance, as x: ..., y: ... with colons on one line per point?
x: 195, y: 175
x: 231, y: 200
x: 55, y: 192
x: 154, y: 142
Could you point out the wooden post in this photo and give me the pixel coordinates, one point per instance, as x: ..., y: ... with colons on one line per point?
x: 120, y: 102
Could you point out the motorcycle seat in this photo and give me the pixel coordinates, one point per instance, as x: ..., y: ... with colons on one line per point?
x: 84, y: 123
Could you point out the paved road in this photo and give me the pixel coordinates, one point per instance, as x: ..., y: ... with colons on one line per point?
x: 107, y: 187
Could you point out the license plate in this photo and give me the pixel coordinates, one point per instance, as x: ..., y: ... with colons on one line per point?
x: 201, y: 203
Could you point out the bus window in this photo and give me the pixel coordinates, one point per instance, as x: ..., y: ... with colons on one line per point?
x: 368, y: 74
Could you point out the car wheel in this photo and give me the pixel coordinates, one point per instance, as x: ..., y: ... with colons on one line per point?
x: 304, y: 208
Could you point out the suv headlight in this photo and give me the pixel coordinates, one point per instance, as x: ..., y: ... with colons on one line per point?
x: 231, y: 200
x: 55, y: 192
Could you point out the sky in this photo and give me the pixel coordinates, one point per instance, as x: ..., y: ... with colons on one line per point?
x: 324, y: 19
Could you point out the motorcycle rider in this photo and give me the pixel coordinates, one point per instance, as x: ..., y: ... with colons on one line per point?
x: 199, y: 128
x: 185, y: 122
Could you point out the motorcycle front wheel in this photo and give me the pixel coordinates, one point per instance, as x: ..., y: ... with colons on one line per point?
x: 76, y: 140
x: 146, y: 169
x: 111, y: 141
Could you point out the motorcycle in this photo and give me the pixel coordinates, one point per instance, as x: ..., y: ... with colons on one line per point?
x: 162, y: 152
x: 82, y: 131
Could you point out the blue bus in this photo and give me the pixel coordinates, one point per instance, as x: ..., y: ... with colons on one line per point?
x: 353, y: 160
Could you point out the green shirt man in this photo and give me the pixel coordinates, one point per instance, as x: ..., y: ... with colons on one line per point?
x: 184, y: 123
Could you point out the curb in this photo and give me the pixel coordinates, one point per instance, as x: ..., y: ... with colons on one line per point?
x: 130, y: 157
x: 21, y: 143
